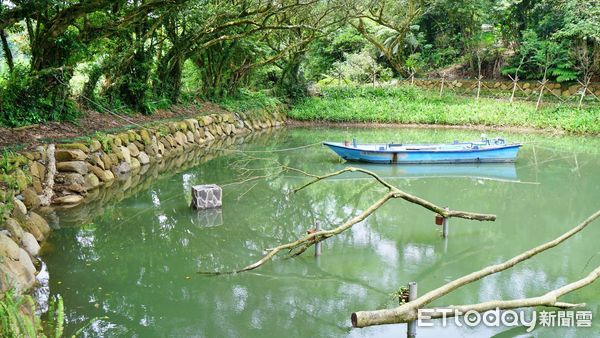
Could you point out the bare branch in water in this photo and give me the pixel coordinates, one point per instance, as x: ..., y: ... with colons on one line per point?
x: 408, y: 311
x: 300, y: 245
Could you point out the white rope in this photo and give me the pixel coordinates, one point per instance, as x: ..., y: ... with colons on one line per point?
x: 269, y: 151
x: 101, y: 106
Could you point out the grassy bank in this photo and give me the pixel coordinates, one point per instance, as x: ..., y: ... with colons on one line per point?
x: 412, y: 105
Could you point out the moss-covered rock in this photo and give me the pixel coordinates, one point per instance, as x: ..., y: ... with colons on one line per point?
x: 146, y: 139
x: 133, y: 149
x: 15, y: 229
x: 79, y: 146
x: 72, y: 166
x: 22, y: 179
x: 95, y: 145
x: 17, y: 271
x: 35, y: 221
x: 92, y: 181
x: 30, y: 198
x: 135, y: 164
x: 62, y: 155
x: 124, y: 137
x: 103, y: 174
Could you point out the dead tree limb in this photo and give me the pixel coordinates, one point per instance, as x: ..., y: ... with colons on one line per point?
x: 300, y: 245
x: 405, y: 196
x: 408, y: 311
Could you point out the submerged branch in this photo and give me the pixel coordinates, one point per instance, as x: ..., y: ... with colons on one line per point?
x: 403, y: 195
x: 303, y: 243
x: 300, y: 245
x: 408, y: 311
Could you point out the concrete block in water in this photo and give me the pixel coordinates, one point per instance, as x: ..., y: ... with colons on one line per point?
x: 206, y: 196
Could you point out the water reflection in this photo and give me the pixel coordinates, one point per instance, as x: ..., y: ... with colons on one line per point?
x: 498, y: 171
x: 135, y: 258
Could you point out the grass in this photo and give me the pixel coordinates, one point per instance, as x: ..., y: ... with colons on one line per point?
x: 412, y: 105
x: 250, y: 102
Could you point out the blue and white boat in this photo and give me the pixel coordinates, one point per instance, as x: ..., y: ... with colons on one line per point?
x: 484, y: 151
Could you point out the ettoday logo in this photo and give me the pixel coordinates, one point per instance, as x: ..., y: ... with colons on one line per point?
x: 505, y: 318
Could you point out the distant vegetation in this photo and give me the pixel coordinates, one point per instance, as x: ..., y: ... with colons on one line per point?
x: 138, y: 56
x: 414, y: 105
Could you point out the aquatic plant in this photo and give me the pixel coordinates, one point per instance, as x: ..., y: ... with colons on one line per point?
x: 18, y: 318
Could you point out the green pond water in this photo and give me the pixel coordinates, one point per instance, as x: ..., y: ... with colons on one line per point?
x: 135, y: 261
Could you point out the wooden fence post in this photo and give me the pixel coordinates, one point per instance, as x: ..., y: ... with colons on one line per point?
x: 514, y: 88
x: 445, y: 225
x: 542, y: 87
x: 585, y: 88
x: 442, y: 86
x: 318, y: 244
x: 411, y: 331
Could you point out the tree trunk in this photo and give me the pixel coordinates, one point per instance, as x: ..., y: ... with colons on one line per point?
x: 169, y: 78
x: 88, y: 94
x: 7, y: 52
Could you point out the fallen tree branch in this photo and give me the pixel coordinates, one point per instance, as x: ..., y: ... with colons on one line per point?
x: 403, y: 195
x: 300, y: 245
x: 408, y: 311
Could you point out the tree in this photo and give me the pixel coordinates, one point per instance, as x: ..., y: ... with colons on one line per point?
x: 582, y: 29
x: 385, y: 24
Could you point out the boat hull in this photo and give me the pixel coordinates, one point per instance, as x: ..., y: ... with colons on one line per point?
x: 497, y: 154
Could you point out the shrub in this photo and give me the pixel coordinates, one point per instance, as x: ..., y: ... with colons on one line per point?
x: 24, y: 101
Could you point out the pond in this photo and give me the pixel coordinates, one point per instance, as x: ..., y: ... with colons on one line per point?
x: 135, y: 261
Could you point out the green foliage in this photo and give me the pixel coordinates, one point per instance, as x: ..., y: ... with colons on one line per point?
x: 24, y: 102
x: 104, y: 140
x: 367, y: 104
x: 330, y: 49
x: 166, y: 52
x: 13, y: 321
x: 564, y: 73
x: 9, y: 181
x: 18, y: 319
x: 360, y: 68
x: 401, y: 295
x: 248, y: 102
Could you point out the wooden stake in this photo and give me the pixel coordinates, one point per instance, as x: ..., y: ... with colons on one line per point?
x: 445, y: 226
x: 318, y: 244
x: 585, y: 89
x: 542, y: 87
x: 412, y: 295
x: 514, y: 89
x: 442, y: 86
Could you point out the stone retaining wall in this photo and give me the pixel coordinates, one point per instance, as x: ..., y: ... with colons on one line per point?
x: 61, y: 176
